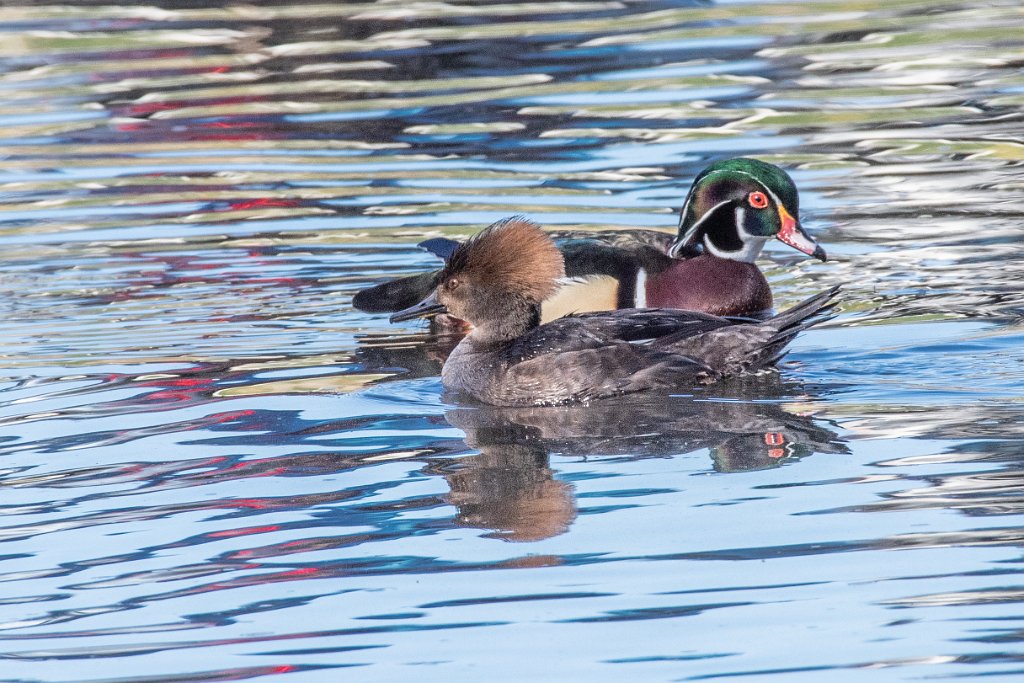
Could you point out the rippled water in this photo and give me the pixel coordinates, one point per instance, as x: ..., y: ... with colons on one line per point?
x: 215, y: 469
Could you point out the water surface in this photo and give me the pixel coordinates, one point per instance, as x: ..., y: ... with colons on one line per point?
x: 215, y: 469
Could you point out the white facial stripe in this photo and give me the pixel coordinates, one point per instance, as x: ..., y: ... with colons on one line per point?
x: 686, y: 205
x: 682, y: 212
x: 752, y: 244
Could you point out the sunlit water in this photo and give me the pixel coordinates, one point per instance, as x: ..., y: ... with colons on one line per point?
x: 215, y: 469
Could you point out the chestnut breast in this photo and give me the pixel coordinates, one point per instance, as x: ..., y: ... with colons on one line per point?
x: 712, y: 285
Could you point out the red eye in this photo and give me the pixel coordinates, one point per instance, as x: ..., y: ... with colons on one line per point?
x: 757, y: 200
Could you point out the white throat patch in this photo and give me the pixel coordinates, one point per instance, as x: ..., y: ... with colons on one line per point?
x: 752, y: 244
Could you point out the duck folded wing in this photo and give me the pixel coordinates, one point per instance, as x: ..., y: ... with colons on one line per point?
x: 602, y: 372
x: 584, y: 331
x: 638, y: 324
x: 619, y: 254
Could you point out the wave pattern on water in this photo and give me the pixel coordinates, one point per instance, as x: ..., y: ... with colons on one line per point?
x: 215, y: 469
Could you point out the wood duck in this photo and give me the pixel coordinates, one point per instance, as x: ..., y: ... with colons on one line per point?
x: 732, y: 210
x: 497, y: 281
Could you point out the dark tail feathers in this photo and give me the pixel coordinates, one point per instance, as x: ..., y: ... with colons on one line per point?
x: 746, y: 345
x: 794, y: 320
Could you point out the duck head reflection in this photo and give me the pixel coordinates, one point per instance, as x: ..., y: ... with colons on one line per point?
x: 509, y: 487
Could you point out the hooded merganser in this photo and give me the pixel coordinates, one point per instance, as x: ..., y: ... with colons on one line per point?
x: 497, y: 280
x: 733, y: 208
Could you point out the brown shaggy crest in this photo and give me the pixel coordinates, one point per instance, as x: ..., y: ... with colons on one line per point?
x: 514, y: 254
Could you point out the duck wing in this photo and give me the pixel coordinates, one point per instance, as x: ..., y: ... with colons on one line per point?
x: 598, y: 355
x: 583, y: 331
x: 601, y: 372
x: 618, y: 253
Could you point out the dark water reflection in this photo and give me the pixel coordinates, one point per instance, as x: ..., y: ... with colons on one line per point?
x: 509, y: 486
x: 214, y: 469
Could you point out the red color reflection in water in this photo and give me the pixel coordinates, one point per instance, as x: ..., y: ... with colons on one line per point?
x: 248, y: 531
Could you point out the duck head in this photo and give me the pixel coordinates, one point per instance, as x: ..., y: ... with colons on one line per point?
x: 496, y: 280
x: 736, y: 206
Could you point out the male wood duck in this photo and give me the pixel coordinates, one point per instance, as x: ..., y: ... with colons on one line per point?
x: 497, y: 280
x: 733, y: 208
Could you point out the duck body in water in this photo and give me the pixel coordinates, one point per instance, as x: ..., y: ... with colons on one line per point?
x: 733, y: 209
x: 497, y: 281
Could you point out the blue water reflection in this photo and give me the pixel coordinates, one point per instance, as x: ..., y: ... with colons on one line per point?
x: 215, y: 469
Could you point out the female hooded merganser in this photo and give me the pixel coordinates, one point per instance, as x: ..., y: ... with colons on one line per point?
x: 497, y: 280
x: 733, y: 208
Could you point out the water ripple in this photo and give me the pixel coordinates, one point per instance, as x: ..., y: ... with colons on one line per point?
x: 199, y: 435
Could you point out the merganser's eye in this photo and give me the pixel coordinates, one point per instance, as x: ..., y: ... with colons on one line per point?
x: 452, y: 284
x: 758, y: 200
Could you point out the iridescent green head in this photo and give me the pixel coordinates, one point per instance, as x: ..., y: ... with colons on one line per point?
x: 737, y: 205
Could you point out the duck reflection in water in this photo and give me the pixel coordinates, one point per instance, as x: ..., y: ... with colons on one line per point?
x: 510, y: 488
